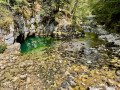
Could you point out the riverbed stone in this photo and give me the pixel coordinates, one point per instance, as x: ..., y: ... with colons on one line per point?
x: 23, y: 77
x: 118, y: 72
x: 117, y: 42
x: 28, y: 80
x: 101, y: 87
x: 15, y: 79
x: 8, y: 75
x: 32, y: 20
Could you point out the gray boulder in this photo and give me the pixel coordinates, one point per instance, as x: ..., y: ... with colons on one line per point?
x: 8, y: 36
x: 10, y: 41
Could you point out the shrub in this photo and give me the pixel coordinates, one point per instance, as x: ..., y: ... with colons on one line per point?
x: 2, y: 48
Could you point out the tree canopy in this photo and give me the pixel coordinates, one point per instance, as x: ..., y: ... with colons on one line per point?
x: 107, y: 11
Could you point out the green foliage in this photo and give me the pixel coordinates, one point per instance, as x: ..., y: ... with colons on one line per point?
x: 108, y: 12
x: 2, y: 48
x: 5, y: 18
x: 81, y: 9
x: 3, y: 2
x: 71, y: 9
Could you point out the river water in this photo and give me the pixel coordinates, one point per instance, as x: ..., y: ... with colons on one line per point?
x: 37, y: 44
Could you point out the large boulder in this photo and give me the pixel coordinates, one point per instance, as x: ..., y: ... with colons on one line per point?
x: 10, y: 41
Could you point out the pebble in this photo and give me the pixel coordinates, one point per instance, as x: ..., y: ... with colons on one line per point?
x: 15, y: 79
x: 117, y: 72
x: 23, y: 77
x: 111, y: 82
x: 1, y: 64
x: 67, y: 73
x: 22, y: 65
x: 2, y: 78
x: 28, y: 80
x: 2, y: 67
x: 6, y: 83
x: 89, y: 62
x: 119, y: 85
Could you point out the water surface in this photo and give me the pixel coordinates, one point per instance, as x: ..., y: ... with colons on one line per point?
x: 36, y: 44
x: 39, y: 44
x: 91, y: 39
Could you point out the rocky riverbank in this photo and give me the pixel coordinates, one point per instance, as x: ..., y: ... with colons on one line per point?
x: 17, y: 72
x: 112, y: 46
x: 61, y: 67
x: 91, y: 26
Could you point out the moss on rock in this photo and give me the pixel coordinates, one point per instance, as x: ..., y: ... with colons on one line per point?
x: 2, y: 48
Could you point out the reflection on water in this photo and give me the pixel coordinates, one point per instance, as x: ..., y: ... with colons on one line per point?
x: 36, y: 44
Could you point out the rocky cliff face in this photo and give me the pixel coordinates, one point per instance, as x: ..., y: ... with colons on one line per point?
x: 20, y: 29
x: 7, y: 36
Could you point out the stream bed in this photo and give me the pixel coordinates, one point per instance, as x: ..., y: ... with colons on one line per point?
x: 75, y: 64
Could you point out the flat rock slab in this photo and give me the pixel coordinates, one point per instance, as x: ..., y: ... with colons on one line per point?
x: 111, y: 38
x: 74, y: 45
x: 101, y: 87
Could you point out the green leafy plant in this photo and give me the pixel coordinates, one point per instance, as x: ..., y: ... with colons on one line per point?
x: 108, y: 12
x: 2, y: 48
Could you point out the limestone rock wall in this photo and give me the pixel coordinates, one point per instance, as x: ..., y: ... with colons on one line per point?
x: 35, y: 26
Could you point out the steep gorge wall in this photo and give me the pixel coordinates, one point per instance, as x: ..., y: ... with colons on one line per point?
x: 19, y: 30
x: 39, y: 18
